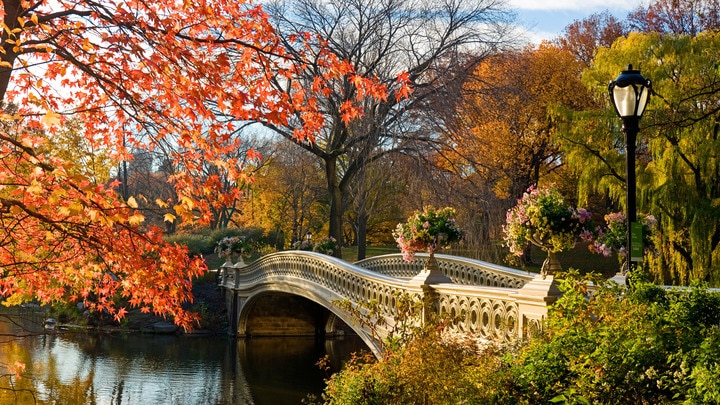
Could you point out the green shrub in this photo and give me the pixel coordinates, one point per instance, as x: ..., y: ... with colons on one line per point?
x: 704, y: 384
x: 609, y: 345
x: 203, y: 241
x: 421, y: 365
x: 253, y: 235
x: 196, y: 243
x: 619, y: 346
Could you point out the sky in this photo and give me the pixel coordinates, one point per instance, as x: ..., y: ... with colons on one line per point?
x: 545, y: 19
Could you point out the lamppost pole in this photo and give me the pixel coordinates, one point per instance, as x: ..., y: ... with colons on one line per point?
x: 629, y: 94
x: 630, y: 129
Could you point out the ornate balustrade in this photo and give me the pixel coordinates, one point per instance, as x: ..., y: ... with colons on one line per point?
x: 497, y: 313
x: 330, y: 277
x: 459, y: 269
x: 506, y: 303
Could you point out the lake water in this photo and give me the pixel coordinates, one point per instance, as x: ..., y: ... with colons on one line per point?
x: 115, y: 369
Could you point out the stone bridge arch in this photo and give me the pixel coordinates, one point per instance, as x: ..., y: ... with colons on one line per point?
x: 292, y: 309
x: 492, y: 302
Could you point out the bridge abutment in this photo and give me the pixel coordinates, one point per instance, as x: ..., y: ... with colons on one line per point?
x: 281, y: 314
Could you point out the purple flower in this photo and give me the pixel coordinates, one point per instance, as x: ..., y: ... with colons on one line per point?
x: 584, y: 215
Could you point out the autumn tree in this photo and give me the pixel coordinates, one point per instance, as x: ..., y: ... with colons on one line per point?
x: 504, y: 133
x: 92, y: 160
x: 227, y: 210
x: 286, y: 195
x: 417, y: 42
x: 678, y: 171
x: 676, y: 17
x: 146, y: 177
x: 583, y: 37
x: 137, y: 75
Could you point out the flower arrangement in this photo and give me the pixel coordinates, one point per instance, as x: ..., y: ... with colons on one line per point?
x: 426, y: 231
x: 542, y: 217
x: 613, y: 238
x: 326, y: 245
x: 303, y: 245
x: 232, y: 245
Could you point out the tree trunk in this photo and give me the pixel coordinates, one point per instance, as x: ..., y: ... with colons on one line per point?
x: 336, y: 204
x: 361, y: 236
x: 12, y: 11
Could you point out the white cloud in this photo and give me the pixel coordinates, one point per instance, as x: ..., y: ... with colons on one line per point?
x: 574, y: 4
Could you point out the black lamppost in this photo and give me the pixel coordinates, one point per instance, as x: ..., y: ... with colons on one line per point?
x: 629, y: 93
x: 308, y: 236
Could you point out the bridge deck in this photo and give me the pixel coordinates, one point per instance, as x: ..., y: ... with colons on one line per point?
x: 490, y: 301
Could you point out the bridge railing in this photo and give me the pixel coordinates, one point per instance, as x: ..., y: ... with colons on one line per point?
x: 460, y: 270
x: 497, y: 313
x: 507, y: 305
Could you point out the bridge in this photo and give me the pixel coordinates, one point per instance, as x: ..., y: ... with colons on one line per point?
x: 297, y: 293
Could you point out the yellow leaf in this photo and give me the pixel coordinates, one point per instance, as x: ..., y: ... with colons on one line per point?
x: 160, y: 203
x: 76, y: 208
x: 87, y: 46
x: 15, y: 299
x: 50, y: 118
x: 131, y: 202
x: 136, y: 219
x: 188, y: 202
x: 169, y: 217
x: 35, y: 188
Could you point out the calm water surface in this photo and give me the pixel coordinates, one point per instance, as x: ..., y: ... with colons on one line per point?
x: 69, y: 368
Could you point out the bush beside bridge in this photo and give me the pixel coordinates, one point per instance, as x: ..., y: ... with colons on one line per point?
x: 646, y: 345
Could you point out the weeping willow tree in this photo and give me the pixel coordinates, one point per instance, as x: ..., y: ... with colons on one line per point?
x: 678, y: 151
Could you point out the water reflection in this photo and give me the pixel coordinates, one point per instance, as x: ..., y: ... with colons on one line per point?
x: 68, y: 368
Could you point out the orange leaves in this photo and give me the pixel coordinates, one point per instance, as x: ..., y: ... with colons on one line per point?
x: 17, y: 368
x: 253, y: 155
x: 120, y: 314
x: 135, y: 79
x: 73, y: 239
x: 349, y: 111
x: 405, y: 86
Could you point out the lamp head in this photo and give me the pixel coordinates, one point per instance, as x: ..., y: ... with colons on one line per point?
x: 629, y: 93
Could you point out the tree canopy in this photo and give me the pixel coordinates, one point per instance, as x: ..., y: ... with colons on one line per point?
x: 137, y: 76
x: 505, y: 133
x: 405, y: 44
x: 678, y: 167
